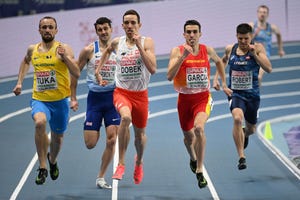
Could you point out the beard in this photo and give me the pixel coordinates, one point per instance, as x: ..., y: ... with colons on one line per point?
x: 47, y: 39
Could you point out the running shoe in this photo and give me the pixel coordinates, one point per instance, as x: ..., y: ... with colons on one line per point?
x: 119, y: 172
x: 54, y: 171
x: 101, y: 183
x: 193, y: 166
x: 41, y: 178
x: 202, y: 183
x: 242, y: 163
x: 246, y: 139
x: 138, y: 173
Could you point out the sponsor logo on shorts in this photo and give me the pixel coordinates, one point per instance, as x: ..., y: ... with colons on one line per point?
x: 118, y: 106
x: 89, y: 123
x: 115, y: 119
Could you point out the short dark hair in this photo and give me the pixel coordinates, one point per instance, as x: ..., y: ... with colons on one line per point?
x: 48, y: 17
x: 243, y: 28
x: 132, y: 12
x: 102, y: 20
x: 263, y: 6
x: 192, y: 22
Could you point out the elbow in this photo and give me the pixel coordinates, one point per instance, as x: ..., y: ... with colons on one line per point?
x: 153, y: 71
x: 169, y: 77
x: 269, y: 69
x: 75, y: 71
x: 76, y: 74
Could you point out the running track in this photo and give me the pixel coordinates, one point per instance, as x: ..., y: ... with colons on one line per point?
x: 167, y: 173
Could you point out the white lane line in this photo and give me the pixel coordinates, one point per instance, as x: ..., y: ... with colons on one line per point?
x: 32, y: 163
x: 24, y: 177
x: 160, y: 83
x: 163, y: 83
x: 283, y: 158
x: 156, y: 98
x: 114, y: 192
x: 211, y: 187
x: 13, y: 114
x: 265, y: 96
x: 164, y: 57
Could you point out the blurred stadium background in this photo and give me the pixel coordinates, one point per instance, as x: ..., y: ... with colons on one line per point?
x: 12, y: 8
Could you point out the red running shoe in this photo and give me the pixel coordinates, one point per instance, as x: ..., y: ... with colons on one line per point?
x: 138, y: 173
x: 119, y: 172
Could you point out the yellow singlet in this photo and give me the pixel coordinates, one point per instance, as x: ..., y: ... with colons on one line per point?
x: 51, y: 80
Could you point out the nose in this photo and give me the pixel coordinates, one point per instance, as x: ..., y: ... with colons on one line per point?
x: 243, y: 40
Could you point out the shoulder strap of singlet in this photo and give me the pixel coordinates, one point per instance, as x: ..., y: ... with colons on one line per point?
x: 254, y: 26
x: 96, y: 46
x: 181, y: 48
x: 234, y: 48
x: 269, y: 27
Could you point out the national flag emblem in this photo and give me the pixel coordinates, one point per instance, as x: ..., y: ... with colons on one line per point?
x: 89, y: 123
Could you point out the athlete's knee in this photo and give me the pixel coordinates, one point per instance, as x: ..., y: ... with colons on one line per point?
x: 199, y: 130
x: 126, y: 120
x: 89, y: 143
x: 238, y: 119
x: 189, y: 138
x: 111, y: 142
x: 40, y: 124
x: 91, y: 138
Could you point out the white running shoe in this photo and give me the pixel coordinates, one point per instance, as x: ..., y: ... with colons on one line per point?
x: 101, y: 183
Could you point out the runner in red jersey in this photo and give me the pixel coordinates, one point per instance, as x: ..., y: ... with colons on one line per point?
x: 190, y: 69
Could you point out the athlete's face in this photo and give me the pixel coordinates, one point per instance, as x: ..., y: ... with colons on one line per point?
x: 244, y: 40
x: 104, y: 31
x: 192, y: 34
x: 48, y: 30
x: 131, y: 25
x: 262, y: 14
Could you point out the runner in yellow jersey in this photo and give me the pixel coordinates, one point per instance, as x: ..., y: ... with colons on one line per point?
x: 53, y: 62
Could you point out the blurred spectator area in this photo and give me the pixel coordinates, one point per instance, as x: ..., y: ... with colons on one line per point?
x: 13, y: 8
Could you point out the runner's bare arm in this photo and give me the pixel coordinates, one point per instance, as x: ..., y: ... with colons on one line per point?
x: 24, y: 67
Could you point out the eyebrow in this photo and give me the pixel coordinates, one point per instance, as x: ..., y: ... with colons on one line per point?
x: 190, y: 31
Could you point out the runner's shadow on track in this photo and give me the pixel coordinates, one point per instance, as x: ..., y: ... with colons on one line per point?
x: 267, y: 178
x: 94, y: 195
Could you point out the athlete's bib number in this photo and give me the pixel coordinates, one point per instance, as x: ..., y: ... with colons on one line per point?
x: 197, y: 78
x: 241, y: 80
x: 46, y: 80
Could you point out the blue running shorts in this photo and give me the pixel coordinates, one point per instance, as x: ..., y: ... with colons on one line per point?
x: 249, y: 107
x: 100, y: 107
x: 57, y: 113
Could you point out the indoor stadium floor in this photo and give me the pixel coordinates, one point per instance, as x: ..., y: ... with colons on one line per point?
x: 167, y: 174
